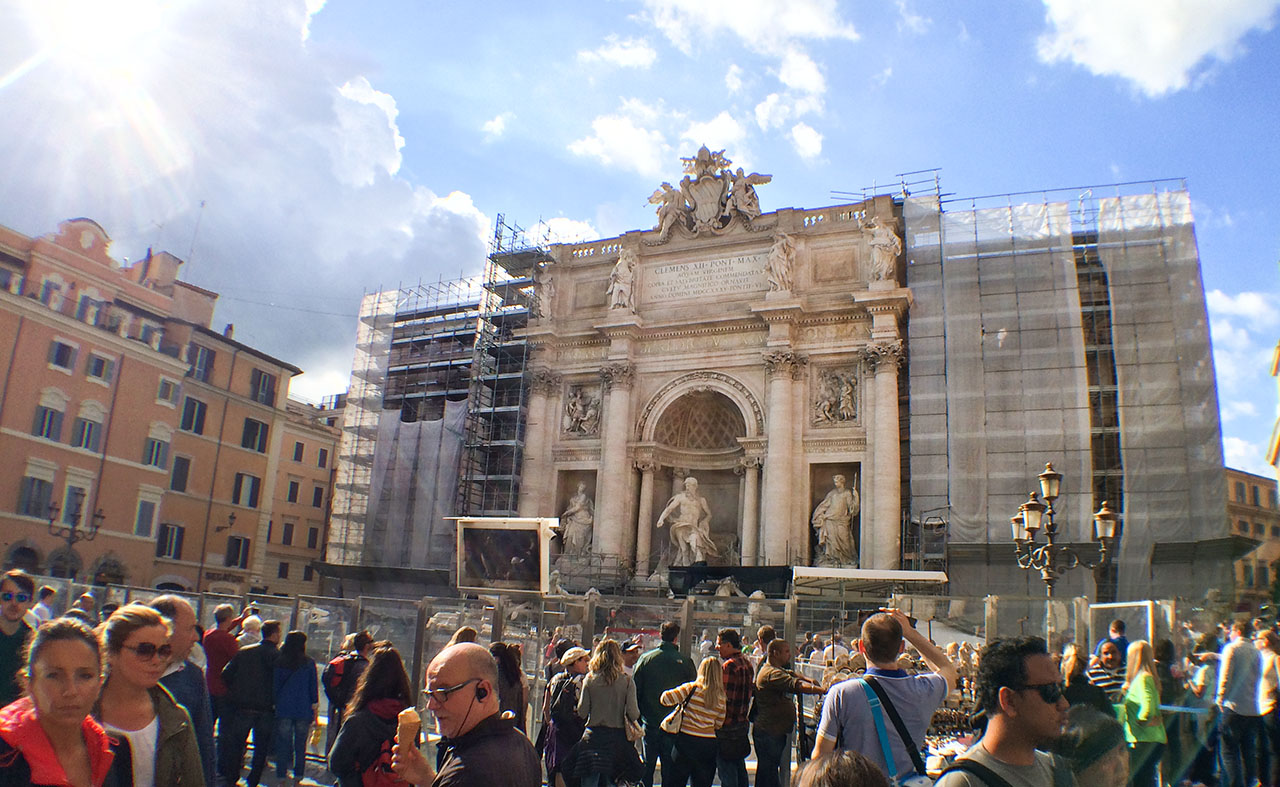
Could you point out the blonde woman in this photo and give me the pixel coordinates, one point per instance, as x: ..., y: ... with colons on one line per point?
x: 1143, y: 724
x: 695, y: 745
x: 1079, y: 691
x: 607, y: 702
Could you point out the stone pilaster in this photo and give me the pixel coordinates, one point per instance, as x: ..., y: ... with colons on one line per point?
x: 884, y: 550
x: 749, y: 468
x: 615, y: 472
x: 779, y: 470
x: 644, y: 521
x: 535, y: 477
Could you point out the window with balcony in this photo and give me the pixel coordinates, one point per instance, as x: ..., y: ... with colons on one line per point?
x: 193, y: 413
x: 262, y: 387
x: 48, y: 423
x: 169, y: 541
x: 245, y: 490
x: 237, y: 552
x: 254, y: 436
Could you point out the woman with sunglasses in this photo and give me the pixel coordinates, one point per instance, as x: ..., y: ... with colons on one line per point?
x: 363, y: 745
x: 1143, y: 724
x: 48, y: 737
x: 134, y: 706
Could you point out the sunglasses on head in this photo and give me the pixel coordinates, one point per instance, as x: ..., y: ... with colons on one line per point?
x: 1049, y: 692
x: 148, y: 651
x: 21, y: 598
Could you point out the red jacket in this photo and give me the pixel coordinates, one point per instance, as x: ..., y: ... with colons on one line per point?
x: 220, y: 646
x: 21, y: 730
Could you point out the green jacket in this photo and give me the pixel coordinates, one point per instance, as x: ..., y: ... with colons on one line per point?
x: 178, y: 761
x: 662, y: 668
x: 1141, y: 711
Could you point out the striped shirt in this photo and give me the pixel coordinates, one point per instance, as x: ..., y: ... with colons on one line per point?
x: 1110, y: 682
x: 700, y: 719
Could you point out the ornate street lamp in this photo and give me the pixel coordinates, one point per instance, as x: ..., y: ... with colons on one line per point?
x: 70, y: 529
x: 1051, y: 559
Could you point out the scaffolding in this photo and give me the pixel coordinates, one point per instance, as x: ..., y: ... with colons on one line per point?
x: 493, y: 450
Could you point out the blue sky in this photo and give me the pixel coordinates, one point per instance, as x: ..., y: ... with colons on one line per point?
x: 348, y: 145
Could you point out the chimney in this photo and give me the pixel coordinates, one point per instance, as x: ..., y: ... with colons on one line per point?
x: 229, y: 330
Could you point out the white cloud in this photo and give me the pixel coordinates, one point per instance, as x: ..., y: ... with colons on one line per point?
x: 799, y: 72
x: 767, y: 27
x: 627, y: 139
x: 881, y: 79
x: 496, y: 127
x: 313, y: 7
x: 623, y: 53
x: 1230, y: 410
x: 806, y: 141
x: 910, y: 21
x: 563, y: 230
x: 1159, y: 47
x: 295, y: 155
x: 1244, y: 455
x: 370, y: 141
x: 1260, y: 309
x: 773, y: 112
x: 733, y: 78
x: 720, y: 132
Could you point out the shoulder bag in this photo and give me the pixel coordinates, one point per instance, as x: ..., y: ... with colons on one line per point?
x: 879, y: 698
x: 675, y: 719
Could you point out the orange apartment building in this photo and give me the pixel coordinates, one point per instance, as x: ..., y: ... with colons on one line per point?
x: 1254, y: 512
x: 119, y: 404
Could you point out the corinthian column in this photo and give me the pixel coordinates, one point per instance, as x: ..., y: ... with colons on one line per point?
x: 778, y: 470
x: 534, y: 476
x: 615, y: 472
x: 644, y: 522
x: 885, y: 527
x: 749, y: 467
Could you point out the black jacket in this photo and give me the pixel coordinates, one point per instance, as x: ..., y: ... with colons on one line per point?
x: 251, y: 677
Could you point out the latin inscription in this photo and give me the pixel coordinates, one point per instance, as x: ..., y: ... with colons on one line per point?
x: 706, y: 278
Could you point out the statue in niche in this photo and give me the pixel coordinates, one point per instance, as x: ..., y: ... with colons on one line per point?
x: 837, y: 400
x: 833, y: 519
x: 544, y: 292
x: 885, y: 248
x: 622, y: 282
x: 690, y: 519
x: 582, y: 412
x: 742, y: 196
x: 781, y: 258
x: 576, y: 522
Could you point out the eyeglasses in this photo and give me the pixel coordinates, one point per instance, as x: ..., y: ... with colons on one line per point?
x: 21, y: 598
x: 1049, y: 692
x: 148, y: 650
x: 441, y: 696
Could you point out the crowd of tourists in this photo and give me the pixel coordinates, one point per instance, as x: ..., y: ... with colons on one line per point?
x: 139, y: 695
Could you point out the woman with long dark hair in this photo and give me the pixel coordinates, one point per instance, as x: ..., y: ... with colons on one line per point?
x: 297, y: 684
x: 49, y: 730
x: 133, y: 704
x: 512, y: 689
x: 369, y: 720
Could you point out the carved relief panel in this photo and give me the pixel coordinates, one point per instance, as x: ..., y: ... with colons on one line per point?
x: 836, y: 396
x: 581, y: 417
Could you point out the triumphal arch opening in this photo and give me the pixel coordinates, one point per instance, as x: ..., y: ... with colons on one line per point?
x: 723, y: 388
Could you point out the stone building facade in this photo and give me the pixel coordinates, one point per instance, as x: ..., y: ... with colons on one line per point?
x: 760, y: 354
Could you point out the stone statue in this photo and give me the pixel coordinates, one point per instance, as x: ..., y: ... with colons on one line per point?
x: 885, y: 248
x: 622, y: 281
x: 743, y: 195
x: 690, y: 524
x: 833, y: 519
x: 781, y: 258
x: 577, y: 520
x: 672, y: 209
x: 544, y: 292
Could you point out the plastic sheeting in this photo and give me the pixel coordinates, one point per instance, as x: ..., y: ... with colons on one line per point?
x: 999, y: 385
x: 414, y: 479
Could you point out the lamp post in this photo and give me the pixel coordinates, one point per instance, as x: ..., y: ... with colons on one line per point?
x: 70, y: 529
x: 231, y: 522
x: 1051, y: 559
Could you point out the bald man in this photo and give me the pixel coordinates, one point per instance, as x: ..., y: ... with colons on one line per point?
x: 481, y: 748
x: 184, y: 680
